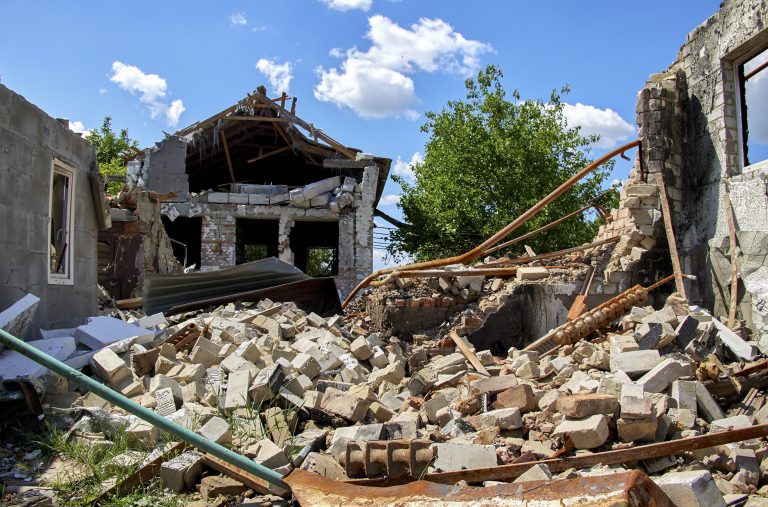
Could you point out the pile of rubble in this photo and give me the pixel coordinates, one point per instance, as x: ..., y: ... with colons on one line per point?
x: 289, y: 389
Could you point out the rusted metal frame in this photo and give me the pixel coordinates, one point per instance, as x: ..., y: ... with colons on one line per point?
x: 259, y: 485
x: 756, y: 70
x: 552, y: 255
x: 479, y: 250
x: 140, y: 476
x: 643, y: 452
x: 462, y: 345
x: 226, y: 154
x: 268, y: 154
x: 548, y: 226
x: 734, y: 296
x: 671, y: 242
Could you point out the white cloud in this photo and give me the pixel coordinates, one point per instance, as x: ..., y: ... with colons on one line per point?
x: 278, y: 74
x: 376, y: 83
x: 346, y: 5
x: 405, y: 169
x: 151, y: 88
x: 389, y: 199
x: 611, y: 127
x: 258, y: 28
x: 237, y: 19
x: 102, y: 90
x: 78, y: 128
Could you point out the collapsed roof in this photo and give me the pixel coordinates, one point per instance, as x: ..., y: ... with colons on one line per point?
x: 226, y: 147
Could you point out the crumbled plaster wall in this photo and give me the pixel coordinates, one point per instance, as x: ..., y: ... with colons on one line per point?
x: 162, y: 169
x: 29, y: 141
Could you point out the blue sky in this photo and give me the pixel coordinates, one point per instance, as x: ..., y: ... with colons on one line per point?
x: 364, y: 71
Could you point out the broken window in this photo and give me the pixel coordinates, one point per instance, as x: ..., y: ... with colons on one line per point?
x: 61, y: 218
x: 315, y: 247
x: 753, y: 82
x: 185, y: 235
x: 255, y: 239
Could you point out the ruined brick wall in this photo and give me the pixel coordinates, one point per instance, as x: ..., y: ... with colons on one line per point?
x: 220, y: 210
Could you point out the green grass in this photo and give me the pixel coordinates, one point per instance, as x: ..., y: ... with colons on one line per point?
x: 87, y: 476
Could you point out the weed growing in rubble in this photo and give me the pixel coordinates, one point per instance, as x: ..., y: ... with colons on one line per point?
x: 85, y: 474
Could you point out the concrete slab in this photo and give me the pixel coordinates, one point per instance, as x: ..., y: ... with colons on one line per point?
x: 102, y: 331
x: 16, y: 318
x: 14, y: 365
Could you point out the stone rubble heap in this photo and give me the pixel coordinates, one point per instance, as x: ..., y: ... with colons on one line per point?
x: 270, y: 381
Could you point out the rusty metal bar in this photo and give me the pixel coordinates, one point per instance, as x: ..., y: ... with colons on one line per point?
x: 631, y: 455
x: 480, y: 249
x: 552, y: 255
x: 592, y: 204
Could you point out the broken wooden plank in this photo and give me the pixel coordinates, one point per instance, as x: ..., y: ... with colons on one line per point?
x: 463, y: 346
x: 732, y: 252
x: 129, y: 304
x: 255, y: 483
x: 670, y: 232
x: 226, y: 154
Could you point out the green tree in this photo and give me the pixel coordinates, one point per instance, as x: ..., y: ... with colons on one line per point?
x: 488, y: 160
x: 111, y: 151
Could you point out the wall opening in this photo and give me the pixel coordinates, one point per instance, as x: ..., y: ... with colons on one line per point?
x: 185, y: 234
x: 255, y: 239
x: 315, y: 247
x: 753, y: 87
x: 61, y: 230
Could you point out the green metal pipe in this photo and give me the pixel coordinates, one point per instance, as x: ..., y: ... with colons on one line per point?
x: 134, y: 408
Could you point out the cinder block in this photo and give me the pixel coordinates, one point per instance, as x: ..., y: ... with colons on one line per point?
x: 585, y: 433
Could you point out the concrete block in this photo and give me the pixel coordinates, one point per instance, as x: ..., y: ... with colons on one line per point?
x: 578, y: 406
x: 102, y: 331
x: 141, y: 433
x: 166, y: 405
x: 306, y: 364
x: 238, y: 396
x: 266, y: 383
x: 531, y: 273
x: 694, y: 488
x: 535, y: 473
x: 379, y: 358
x: 360, y: 348
x: 686, y: 331
x: 109, y: 367
x: 14, y: 365
x: 735, y: 343
x: 205, y: 352
x: 634, y: 403
x: 631, y: 430
x: 182, y: 472
x: 734, y: 422
x: 586, y: 433
x: 364, y: 433
x: 344, y: 404
x: 635, y: 363
x: 503, y: 418
x: 217, y: 430
x: 267, y: 453
x: 493, y: 385
x: 233, y: 363
x: 684, y: 394
x: 432, y: 405
x: 661, y: 376
x: 214, y: 486
x: 452, y: 457
x: 708, y: 407
x: 520, y: 397
x: 280, y: 424
x: 164, y: 381
x: 16, y: 318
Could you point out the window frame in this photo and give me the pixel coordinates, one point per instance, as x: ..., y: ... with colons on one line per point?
x: 68, y: 276
x: 739, y: 95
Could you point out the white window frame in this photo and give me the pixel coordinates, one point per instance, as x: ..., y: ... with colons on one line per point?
x: 67, y: 277
x: 761, y: 164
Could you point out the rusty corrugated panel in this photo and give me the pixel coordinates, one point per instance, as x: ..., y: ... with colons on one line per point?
x: 629, y: 489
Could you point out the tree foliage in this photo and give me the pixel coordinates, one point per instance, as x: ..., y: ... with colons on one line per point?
x: 488, y: 160
x: 111, y: 151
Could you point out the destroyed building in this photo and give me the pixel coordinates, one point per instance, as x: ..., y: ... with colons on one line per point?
x: 50, y: 214
x: 256, y: 181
